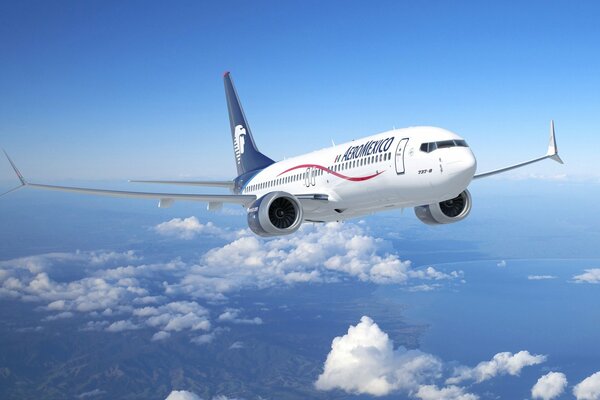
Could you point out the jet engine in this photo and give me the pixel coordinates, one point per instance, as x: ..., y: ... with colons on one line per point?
x: 447, y: 211
x: 274, y: 214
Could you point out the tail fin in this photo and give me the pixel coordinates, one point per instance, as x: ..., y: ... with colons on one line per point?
x: 247, y: 156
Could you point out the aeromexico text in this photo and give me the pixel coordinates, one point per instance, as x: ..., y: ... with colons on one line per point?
x: 371, y: 147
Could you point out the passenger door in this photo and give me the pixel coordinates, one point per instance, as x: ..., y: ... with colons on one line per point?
x: 400, y: 156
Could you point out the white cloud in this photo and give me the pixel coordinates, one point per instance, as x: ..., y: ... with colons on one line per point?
x: 589, y: 388
x: 91, y: 393
x: 62, y: 315
x: 29, y: 278
x: 56, y: 305
x: 187, y: 228
x: 433, y: 274
x: 236, y: 345
x: 501, y: 364
x: 94, y: 326
x: 540, y: 277
x: 187, y: 321
x: 203, y: 339
x: 365, y: 361
x: 182, y: 395
x: 320, y: 253
x: 106, y: 291
x: 549, y: 386
x: 104, y: 257
x: 160, y: 335
x: 431, y: 392
x: 502, y: 264
x: 589, y: 276
x: 207, y: 338
x: 423, y: 288
x: 113, y: 286
x: 175, y: 316
x: 185, y: 395
x: 232, y: 315
x: 120, y: 326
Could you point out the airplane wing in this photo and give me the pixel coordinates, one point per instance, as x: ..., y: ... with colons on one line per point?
x: 552, y: 154
x: 165, y: 199
x: 222, y: 184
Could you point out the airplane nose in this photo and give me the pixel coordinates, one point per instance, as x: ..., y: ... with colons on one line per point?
x: 461, y: 165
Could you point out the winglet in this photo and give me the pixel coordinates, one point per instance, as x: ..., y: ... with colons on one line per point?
x: 552, y: 149
x: 23, y: 182
x: 12, y: 164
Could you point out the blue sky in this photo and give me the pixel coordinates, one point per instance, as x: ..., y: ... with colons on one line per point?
x: 106, y: 91
x: 113, y: 90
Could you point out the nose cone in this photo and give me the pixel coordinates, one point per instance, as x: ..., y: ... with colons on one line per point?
x: 460, y: 165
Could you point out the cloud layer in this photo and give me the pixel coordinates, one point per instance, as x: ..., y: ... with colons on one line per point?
x: 322, y: 253
x: 120, y: 291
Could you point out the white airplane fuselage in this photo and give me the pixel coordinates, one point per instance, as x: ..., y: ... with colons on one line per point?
x: 375, y: 173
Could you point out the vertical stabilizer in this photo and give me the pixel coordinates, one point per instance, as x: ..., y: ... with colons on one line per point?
x: 247, y: 156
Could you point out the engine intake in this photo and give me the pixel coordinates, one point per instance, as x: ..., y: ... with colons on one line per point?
x: 274, y: 214
x: 447, y: 211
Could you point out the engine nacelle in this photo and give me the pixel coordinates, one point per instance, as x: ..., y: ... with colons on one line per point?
x: 274, y: 214
x: 446, y: 212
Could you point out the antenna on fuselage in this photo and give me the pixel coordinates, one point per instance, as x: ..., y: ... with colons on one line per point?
x: 332, y: 143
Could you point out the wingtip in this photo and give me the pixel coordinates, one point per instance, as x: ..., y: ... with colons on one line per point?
x: 226, y: 74
x: 552, y: 147
x: 14, y: 167
x: 552, y: 142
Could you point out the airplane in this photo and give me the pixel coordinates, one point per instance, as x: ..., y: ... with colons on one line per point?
x: 423, y: 167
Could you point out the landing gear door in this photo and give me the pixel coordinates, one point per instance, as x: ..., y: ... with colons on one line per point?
x: 400, y: 156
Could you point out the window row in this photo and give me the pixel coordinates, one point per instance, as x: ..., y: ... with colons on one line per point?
x: 360, y: 162
x: 284, y: 180
x: 318, y: 172
x: 431, y: 146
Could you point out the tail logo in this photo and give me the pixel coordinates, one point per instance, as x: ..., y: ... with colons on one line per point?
x: 239, y: 142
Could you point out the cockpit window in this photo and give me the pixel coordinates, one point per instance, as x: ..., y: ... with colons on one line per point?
x: 445, y: 143
x: 431, y: 146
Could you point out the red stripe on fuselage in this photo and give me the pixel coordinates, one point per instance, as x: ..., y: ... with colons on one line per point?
x: 348, y: 178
